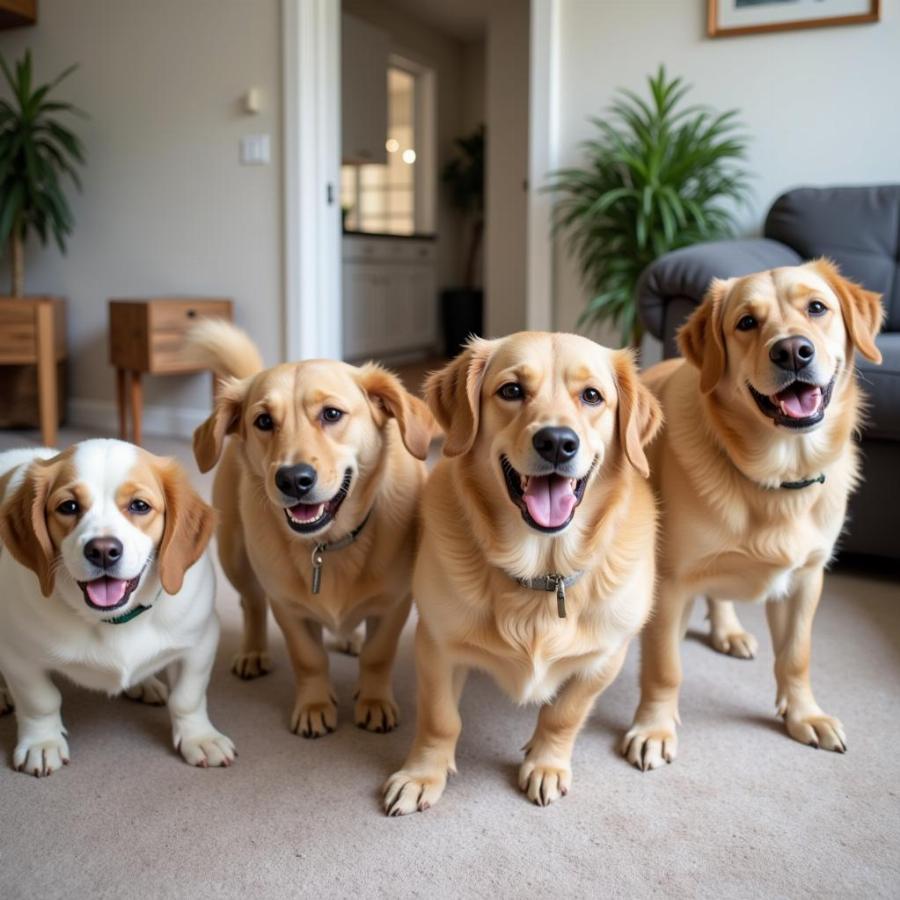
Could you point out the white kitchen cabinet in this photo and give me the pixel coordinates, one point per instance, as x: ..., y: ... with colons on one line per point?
x: 364, y: 98
x: 389, y: 297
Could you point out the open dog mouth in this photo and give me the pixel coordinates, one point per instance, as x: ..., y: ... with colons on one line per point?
x: 547, y: 502
x: 305, y: 518
x: 108, y: 593
x: 799, y: 405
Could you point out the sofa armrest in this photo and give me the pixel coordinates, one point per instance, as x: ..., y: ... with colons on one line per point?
x: 686, y: 274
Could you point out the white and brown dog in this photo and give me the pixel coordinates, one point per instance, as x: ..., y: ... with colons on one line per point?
x: 105, y: 580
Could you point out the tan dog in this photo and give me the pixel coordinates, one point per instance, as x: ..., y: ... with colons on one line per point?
x: 318, y: 492
x: 753, y: 472
x: 544, y: 479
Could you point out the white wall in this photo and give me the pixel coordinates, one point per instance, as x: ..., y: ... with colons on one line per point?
x: 821, y: 104
x: 165, y: 205
x: 506, y: 206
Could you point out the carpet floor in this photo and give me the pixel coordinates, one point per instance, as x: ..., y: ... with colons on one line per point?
x: 743, y: 812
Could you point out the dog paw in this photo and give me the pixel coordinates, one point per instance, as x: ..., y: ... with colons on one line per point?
x: 814, y: 727
x: 378, y: 714
x: 253, y: 664
x: 649, y: 745
x: 407, y: 791
x: 314, y: 720
x: 150, y: 691
x: 544, y: 780
x: 740, y: 644
x: 349, y: 645
x: 40, y: 758
x: 207, y: 750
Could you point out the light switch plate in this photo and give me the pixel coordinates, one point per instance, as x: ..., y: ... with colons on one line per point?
x: 255, y: 150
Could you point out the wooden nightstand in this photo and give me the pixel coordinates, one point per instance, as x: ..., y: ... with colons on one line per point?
x: 147, y: 336
x: 33, y: 332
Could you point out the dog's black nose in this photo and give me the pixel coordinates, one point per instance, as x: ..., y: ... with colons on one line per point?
x: 793, y: 353
x: 556, y: 444
x: 295, y: 481
x: 103, y: 552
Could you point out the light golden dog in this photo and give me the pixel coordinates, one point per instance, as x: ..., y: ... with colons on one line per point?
x: 318, y: 493
x: 753, y: 472
x: 536, y: 561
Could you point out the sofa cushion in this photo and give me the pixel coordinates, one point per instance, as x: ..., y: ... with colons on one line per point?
x: 857, y: 227
x: 882, y: 387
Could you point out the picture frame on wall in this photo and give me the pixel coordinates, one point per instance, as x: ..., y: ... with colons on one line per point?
x: 726, y: 18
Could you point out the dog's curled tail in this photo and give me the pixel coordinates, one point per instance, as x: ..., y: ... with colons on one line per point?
x: 224, y: 348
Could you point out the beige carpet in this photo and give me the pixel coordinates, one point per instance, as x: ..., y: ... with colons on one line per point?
x: 744, y: 812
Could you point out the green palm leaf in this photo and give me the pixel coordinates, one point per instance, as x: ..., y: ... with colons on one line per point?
x: 659, y: 175
x: 36, y: 151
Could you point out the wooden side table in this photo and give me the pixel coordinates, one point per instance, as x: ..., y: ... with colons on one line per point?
x: 146, y: 336
x: 33, y: 332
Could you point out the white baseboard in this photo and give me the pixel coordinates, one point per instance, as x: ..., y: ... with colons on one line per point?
x: 164, y: 421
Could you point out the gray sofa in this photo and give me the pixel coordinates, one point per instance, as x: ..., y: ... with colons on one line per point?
x: 859, y: 228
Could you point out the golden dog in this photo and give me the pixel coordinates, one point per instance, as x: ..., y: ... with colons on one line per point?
x: 753, y: 472
x: 318, y: 492
x: 536, y: 560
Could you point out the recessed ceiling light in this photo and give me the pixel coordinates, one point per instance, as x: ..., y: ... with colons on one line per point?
x: 409, y: 157
x: 392, y: 145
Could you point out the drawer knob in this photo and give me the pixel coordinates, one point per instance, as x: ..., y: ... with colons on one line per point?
x: 192, y: 313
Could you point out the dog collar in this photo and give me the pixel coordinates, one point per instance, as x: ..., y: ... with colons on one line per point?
x: 319, y: 551
x: 126, y: 617
x: 803, y: 483
x: 550, y: 583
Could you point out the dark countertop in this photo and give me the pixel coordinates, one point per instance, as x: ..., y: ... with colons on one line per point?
x: 393, y: 237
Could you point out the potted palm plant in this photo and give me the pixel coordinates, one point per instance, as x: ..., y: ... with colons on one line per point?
x: 659, y: 175
x: 462, y: 308
x: 37, y: 153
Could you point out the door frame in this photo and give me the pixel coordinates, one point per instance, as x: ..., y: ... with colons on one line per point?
x: 311, y: 42
x: 311, y: 102
x: 543, y: 158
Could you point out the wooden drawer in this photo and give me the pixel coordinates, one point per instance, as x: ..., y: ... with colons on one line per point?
x: 179, y: 315
x: 148, y: 335
x: 18, y: 334
x: 19, y: 328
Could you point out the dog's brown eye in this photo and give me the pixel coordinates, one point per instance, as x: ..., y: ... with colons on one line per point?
x: 331, y: 415
x: 816, y: 308
x: 511, y: 391
x: 747, y: 323
x: 68, y: 508
x: 139, y: 507
x: 591, y: 396
x: 264, y: 422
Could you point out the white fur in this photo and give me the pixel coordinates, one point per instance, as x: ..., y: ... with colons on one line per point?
x: 40, y: 635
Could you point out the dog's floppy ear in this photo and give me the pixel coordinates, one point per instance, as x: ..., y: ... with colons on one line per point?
x: 23, y: 524
x: 454, y: 395
x: 700, y: 338
x: 862, y: 310
x: 388, y: 395
x: 209, y: 437
x: 639, y: 413
x: 188, y: 526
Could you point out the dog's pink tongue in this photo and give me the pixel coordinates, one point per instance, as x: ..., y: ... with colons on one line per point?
x: 106, y: 591
x: 550, y: 500
x: 799, y: 400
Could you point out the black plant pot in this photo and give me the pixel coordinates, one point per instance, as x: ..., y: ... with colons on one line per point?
x: 462, y: 315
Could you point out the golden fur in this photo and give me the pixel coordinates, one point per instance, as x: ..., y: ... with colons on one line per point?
x: 382, y: 438
x: 472, y: 612
x: 729, y: 531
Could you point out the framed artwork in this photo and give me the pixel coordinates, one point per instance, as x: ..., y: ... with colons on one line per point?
x: 730, y: 17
